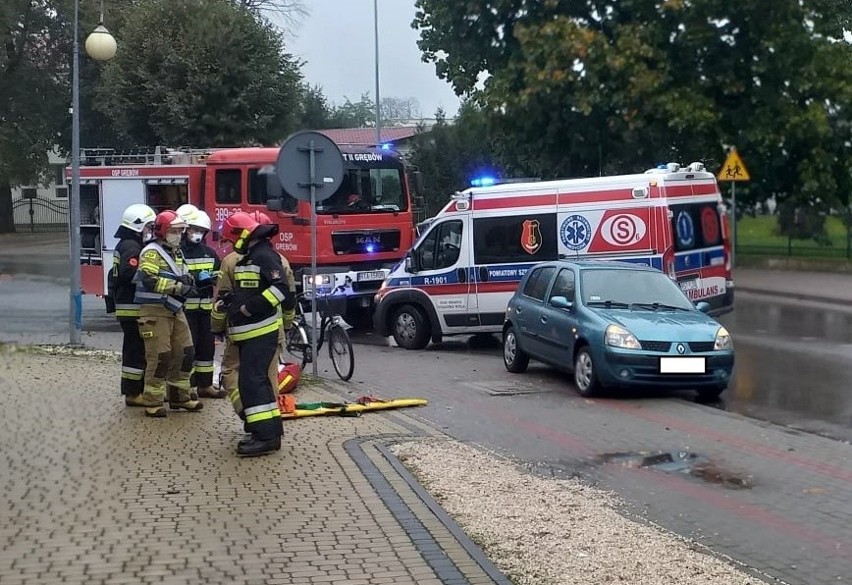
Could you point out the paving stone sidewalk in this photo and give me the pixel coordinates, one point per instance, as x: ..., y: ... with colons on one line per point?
x: 93, y: 492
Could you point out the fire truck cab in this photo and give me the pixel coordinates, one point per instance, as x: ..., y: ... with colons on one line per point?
x: 468, y: 260
x: 363, y: 228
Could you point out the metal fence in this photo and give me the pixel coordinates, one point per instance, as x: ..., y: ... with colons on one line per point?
x: 38, y: 214
x: 798, y: 249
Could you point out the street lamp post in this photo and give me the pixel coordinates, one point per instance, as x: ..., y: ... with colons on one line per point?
x: 378, y: 99
x: 100, y: 45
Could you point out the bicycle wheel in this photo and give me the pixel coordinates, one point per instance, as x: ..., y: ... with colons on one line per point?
x: 340, y: 351
x: 297, y: 346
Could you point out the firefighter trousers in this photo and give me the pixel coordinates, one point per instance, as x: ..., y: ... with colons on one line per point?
x: 169, y: 354
x: 257, y: 395
x: 132, y: 358
x: 230, y: 369
x: 205, y: 348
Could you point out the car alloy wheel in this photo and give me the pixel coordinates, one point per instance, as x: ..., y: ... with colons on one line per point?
x: 584, y: 373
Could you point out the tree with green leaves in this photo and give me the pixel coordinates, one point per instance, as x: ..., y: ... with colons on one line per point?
x: 200, y: 73
x: 450, y: 155
x: 34, y: 47
x: 602, y: 86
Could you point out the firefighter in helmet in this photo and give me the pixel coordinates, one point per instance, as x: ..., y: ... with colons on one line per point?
x: 253, y: 312
x: 203, y: 263
x: 163, y: 283
x: 230, y: 366
x: 136, y: 230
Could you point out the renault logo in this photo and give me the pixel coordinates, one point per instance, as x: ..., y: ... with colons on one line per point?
x: 680, y: 348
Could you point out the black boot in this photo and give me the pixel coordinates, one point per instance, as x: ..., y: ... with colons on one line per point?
x: 256, y: 447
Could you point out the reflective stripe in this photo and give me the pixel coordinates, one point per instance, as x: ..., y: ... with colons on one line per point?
x: 271, y: 296
x: 262, y: 412
x: 285, y: 381
x: 203, y: 367
x: 247, y: 268
x: 126, y: 310
x: 199, y: 263
x: 235, y: 395
x: 252, y: 330
x: 129, y: 373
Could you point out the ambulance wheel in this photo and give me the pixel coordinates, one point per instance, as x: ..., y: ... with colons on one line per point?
x: 410, y: 329
x: 514, y: 358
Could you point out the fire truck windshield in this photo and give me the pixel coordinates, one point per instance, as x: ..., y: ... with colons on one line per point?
x: 367, y: 190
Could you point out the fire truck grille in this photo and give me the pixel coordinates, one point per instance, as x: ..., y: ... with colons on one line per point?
x: 365, y: 241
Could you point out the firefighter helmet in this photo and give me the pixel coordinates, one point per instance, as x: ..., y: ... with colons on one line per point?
x: 237, y: 228
x: 167, y: 220
x: 288, y: 377
x: 198, y: 219
x: 261, y: 217
x: 186, y: 210
x: 137, y: 216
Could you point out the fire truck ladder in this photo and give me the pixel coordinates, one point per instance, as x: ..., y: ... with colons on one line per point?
x: 158, y: 155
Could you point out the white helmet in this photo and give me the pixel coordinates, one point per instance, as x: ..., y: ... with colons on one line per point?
x: 137, y: 216
x: 197, y: 219
x: 186, y: 210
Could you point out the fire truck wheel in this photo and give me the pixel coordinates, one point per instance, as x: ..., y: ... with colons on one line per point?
x: 410, y: 328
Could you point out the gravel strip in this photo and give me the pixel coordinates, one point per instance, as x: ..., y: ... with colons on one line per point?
x: 547, y: 532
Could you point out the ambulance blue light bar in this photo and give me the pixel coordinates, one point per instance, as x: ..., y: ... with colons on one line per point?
x: 386, y: 146
x: 487, y: 181
x: 483, y: 182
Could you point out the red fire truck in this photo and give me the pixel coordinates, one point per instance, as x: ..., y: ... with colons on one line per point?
x: 363, y: 229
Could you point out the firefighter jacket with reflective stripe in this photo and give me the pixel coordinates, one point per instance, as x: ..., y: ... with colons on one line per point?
x: 225, y: 286
x: 158, y: 277
x: 259, y: 285
x: 120, y: 285
x: 200, y: 258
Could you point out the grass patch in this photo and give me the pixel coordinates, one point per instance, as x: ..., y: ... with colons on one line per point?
x: 759, y: 237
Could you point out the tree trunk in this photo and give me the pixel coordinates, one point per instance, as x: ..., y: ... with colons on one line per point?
x: 7, y: 220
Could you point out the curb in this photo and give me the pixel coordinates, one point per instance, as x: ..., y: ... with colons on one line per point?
x: 792, y: 295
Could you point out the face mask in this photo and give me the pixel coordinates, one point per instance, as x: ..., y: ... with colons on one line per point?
x: 195, y: 237
x: 173, y: 240
x: 147, y: 237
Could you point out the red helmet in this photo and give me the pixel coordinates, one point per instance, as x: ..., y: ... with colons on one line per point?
x: 237, y: 228
x: 165, y: 221
x: 261, y: 217
x: 288, y: 377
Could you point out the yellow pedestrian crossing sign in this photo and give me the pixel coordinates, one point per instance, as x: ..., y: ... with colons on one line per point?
x: 734, y: 169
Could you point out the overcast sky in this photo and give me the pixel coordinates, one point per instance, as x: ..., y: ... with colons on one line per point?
x: 336, y: 40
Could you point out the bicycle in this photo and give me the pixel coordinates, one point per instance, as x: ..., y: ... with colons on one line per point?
x: 332, y: 328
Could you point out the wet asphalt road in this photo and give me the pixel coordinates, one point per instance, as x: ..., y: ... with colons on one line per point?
x: 793, y: 359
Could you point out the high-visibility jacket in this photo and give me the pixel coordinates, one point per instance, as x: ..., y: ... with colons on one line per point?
x: 225, y: 285
x: 199, y: 258
x: 158, y: 278
x: 259, y: 285
x: 120, y: 285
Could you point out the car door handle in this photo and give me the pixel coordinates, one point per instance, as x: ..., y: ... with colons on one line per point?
x: 544, y: 318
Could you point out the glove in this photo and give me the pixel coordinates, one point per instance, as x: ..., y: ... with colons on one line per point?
x: 187, y: 290
x: 204, y: 277
x: 185, y: 279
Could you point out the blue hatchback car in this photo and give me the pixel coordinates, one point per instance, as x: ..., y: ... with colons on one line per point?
x: 615, y: 324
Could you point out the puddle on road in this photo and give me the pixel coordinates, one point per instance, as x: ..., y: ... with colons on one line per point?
x: 684, y: 462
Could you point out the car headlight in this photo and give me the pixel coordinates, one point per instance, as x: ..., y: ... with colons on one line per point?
x: 723, y: 340
x: 618, y: 336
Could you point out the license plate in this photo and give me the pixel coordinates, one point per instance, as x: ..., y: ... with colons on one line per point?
x: 374, y: 275
x: 688, y: 284
x: 683, y: 365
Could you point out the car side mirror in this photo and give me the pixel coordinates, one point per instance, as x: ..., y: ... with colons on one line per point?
x: 561, y: 303
x: 418, y: 183
x: 702, y: 306
x: 409, y: 264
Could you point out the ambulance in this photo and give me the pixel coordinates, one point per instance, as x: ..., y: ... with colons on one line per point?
x: 467, y: 261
